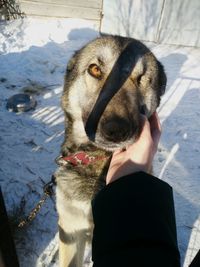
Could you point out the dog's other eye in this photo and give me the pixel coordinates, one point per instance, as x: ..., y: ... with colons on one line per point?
x: 95, y: 71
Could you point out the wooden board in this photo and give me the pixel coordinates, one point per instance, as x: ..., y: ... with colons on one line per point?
x: 132, y: 18
x: 78, y: 3
x: 180, y: 23
x: 86, y: 9
x: 164, y: 21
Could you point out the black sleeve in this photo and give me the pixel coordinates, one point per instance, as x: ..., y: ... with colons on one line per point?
x: 134, y: 224
x: 7, y: 247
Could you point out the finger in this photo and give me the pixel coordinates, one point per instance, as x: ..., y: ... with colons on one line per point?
x: 146, y: 131
x: 155, y: 128
x: 144, y: 140
x: 118, y: 154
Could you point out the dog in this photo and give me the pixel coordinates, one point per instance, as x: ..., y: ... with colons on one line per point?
x: 99, y: 120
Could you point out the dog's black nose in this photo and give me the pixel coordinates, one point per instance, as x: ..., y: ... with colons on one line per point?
x: 115, y: 129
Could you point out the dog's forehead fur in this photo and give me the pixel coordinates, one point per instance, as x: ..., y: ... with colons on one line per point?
x: 102, y: 50
x: 106, y: 50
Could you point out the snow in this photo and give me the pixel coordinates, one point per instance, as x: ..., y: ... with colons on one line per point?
x: 33, y: 57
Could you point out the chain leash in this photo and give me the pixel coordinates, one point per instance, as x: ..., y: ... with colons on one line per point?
x: 47, y: 192
x: 81, y: 158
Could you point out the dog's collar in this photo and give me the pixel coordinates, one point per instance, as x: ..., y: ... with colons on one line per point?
x: 79, y: 158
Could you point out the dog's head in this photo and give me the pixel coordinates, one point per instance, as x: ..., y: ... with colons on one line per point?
x: 111, y: 63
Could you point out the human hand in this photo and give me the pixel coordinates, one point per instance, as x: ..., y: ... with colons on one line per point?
x: 138, y: 156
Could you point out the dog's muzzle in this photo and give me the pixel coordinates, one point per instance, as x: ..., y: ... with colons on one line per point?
x: 112, y: 85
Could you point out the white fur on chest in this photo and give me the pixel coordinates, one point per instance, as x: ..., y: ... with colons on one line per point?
x: 75, y: 215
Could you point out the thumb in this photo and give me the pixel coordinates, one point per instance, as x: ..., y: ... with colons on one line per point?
x: 146, y: 129
x: 155, y: 128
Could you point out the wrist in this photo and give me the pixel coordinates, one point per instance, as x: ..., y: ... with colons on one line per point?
x: 124, y: 170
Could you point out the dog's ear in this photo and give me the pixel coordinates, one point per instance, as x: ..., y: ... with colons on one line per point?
x: 162, y: 78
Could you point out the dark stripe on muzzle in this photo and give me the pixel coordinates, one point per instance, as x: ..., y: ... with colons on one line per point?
x: 117, y: 77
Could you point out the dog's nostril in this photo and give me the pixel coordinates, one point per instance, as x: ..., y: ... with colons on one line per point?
x: 115, y: 130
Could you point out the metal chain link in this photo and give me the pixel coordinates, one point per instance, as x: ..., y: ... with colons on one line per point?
x: 48, y: 191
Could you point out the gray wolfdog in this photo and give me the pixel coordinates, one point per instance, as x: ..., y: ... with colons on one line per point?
x: 95, y: 129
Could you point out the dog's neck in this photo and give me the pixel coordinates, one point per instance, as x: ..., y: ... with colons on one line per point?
x: 88, y: 163
x: 70, y: 149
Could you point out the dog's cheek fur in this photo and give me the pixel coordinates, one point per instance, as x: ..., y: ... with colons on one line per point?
x: 162, y: 78
x: 75, y: 109
x: 74, y: 128
x: 152, y: 84
x: 89, y: 93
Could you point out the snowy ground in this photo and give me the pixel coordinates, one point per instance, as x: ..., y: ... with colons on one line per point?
x: 33, y: 57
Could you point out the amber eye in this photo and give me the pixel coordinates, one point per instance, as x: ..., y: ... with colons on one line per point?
x: 95, y: 71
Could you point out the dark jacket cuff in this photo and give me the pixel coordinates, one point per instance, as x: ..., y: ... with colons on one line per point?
x: 136, y: 211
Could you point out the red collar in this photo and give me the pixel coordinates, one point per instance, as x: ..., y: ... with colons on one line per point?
x: 79, y: 158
